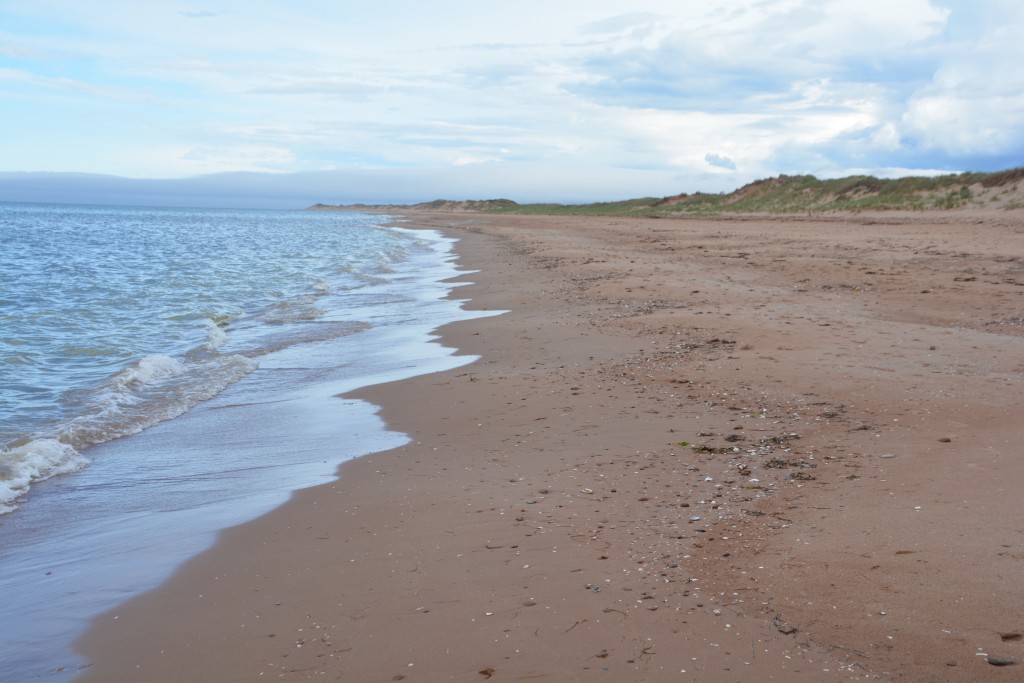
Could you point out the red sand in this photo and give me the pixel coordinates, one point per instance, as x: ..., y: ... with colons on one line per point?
x: 708, y: 450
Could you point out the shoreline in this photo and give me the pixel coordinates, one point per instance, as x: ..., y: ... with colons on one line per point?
x: 554, y: 466
x: 152, y: 500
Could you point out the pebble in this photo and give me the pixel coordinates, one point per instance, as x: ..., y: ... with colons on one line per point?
x: 1000, y: 661
x: 887, y: 455
x: 784, y: 628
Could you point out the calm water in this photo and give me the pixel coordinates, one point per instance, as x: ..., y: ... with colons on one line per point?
x: 167, y: 373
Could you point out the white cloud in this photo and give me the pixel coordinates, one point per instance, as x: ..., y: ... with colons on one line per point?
x: 974, y: 103
x: 962, y: 125
x: 886, y: 138
x: 695, y: 90
x: 48, y: 85
x: 469, y: 159
x: 843, y: 28
x: 248, y: 157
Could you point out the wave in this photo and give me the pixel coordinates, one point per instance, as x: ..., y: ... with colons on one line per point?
x: 215, y: 336
x: 34, y: 461
x: 149, y: 370
x: 294, y: 310
x: 154, y: 389
x: 215, y: 300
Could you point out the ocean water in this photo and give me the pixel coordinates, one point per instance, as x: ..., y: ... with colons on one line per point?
x: 167, y: 373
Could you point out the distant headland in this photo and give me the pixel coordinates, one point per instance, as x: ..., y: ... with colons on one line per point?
x: 783, y: 194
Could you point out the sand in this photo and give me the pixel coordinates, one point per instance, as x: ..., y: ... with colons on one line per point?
x: 713, y: 450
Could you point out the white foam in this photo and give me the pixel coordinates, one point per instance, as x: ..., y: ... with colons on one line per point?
x: 158, y: 388
x: 147, y: 371
x: 215, y: 336
x: 155, y: 389
x: 34, y: 461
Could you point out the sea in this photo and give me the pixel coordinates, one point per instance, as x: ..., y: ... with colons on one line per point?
x: 167, y: 373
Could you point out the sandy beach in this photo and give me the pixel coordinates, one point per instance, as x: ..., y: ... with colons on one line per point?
x: 748, y: 449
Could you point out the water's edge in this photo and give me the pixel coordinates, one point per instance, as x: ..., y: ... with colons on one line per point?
x: 66, y: 578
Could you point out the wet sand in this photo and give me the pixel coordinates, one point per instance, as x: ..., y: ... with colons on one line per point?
x: 709, y: 450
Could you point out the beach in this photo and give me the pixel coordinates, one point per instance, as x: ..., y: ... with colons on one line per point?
x: 731, y: 449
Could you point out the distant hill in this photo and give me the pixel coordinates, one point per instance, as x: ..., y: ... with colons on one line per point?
x: 479, y: 205
x: 782, y: 195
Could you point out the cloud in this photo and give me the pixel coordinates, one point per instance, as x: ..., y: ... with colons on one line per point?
x: 685, y: 90
x: 762, y: 53
x: 975, y: 105
x: 214, y: 159
x: 620, y: 23
x: 349, y: 90
x: 806, y: 73
x: 36, y: 86
x: 494, y: 75
x: 720, y: 161
x: 468, y: 159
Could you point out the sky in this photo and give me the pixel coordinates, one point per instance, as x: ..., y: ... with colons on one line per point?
x: 339, y: 101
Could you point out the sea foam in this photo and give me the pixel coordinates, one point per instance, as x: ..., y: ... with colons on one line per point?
x: 215, y: 336
x: 155, y: 389
x: 34, y: 461
x: 150, y: 391
x: 148, y: 370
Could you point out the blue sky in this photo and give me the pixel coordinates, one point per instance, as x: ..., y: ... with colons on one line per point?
x: 574, y: 100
